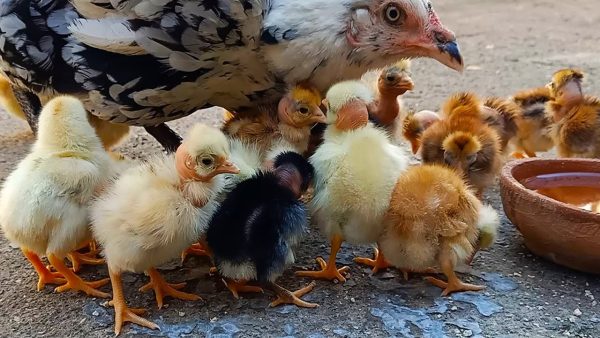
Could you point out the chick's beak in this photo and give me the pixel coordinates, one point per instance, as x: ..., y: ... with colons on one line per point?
x: 227, y: 167
x: 318, y: 116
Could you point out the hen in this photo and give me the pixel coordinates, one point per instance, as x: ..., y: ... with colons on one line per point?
x: 143, y: 62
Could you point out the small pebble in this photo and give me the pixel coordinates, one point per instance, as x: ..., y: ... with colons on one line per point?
x: 181, y: 314
x: 95, y: 313
x: 577, y: 312
x: 468, y: 333
x: 572, y: 319
x: 454, y: 308
x: 213, y: 319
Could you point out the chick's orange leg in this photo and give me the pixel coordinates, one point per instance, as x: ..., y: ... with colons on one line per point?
x: 454, y: 284
x: 197, y: 249
x: 285, y: 296
x: 379, y: 263
x: 162, y: 288
x: 122, y: 312
x: 75, y: 282
x: 78, y: 259
x: 328, y: 270
x: 45, y: 275
x: 237, y: 287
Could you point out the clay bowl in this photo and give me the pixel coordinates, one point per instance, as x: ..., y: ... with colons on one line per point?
x: 559, y: 232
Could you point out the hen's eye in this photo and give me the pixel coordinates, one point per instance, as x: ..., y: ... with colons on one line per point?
x: 394, y: 15
x: 207, y: 161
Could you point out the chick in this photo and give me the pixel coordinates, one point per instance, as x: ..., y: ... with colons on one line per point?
x: 533, y: 128
x: 415, y: 124
x: 356, y: 168
x: 576, y: 127
x: 297, y: 112
x: 503, y: 115
x: 433, y: 219
x: 8, y: 101
x: 111, y: 134
x: 157, y: 209
x: 255, y: 242
x: 44, y: 202
x: 462, y: 140
x: 391, y: 83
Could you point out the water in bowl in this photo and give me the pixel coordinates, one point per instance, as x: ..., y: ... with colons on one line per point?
x: 580, y: 189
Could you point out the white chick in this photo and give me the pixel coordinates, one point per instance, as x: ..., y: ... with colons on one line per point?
x: 356, y: 169
x: 156, y: 210
x: 44, y: 202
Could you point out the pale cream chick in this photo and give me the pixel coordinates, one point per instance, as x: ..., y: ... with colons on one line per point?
x: 44, y: 202
x: 356, y: 168
x: 157, y: 209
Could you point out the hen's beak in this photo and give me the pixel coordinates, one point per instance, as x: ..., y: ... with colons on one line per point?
x: 226, y: 167
x: 441, y: 44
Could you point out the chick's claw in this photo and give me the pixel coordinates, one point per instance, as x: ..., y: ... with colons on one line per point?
x: 196, y: 250
x: 78, y: 259
x: 328, y: 271
x: 379, y: 263
x: 237, y: 287
x: 284, y: 296
x: 453, y: 285
x: 46, y: 276
x: 162, y: 288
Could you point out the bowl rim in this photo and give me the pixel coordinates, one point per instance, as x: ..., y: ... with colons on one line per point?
x: 507, y: 174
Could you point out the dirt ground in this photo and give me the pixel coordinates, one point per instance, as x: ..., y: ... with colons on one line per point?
x: 508, y: 45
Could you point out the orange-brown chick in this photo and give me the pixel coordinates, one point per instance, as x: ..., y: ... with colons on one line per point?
x: 503, y: 115
x: 576, y: 128
x: 292, y: 121
x: 433, y: 220
x: 391, y: 83
x: 462, y: 140
x: 533, y: 128
x: 415, y: 124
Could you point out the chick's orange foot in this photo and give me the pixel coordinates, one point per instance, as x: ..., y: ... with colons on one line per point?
x: 285, y: 296
x: 237, y: 287
x: 122, y: 312
x: 453, y: 285
x: 78, y: 259
x: 75, y: 282
x: 162, y: 288
x: 196, y: 249
x: 45, y: 275
x: 329, y: 271
x: 378, y: 263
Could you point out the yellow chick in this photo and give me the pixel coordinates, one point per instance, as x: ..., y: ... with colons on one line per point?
x: 111, y: 134
x: 44, y: 202
x: 356, y: 168
x: 433, y: 219
x: 157, y: 209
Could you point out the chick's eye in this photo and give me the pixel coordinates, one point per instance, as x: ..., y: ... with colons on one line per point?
x: 303, y: 110
x: 394, y: 15
x: 207, y: 161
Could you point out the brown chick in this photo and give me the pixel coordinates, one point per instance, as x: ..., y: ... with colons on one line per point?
x: 291, y: 122
x: 415, y: 124
x: 392, y: 82
x: 533, y: 128
x: 576, y: 128
x: 462, y: 140
x: 503, y: 115
x: 433, y: 219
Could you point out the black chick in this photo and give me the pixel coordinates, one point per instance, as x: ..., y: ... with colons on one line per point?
x: 252, y: 233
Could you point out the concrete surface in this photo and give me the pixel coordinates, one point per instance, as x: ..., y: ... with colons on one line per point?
x: 507, y: 45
